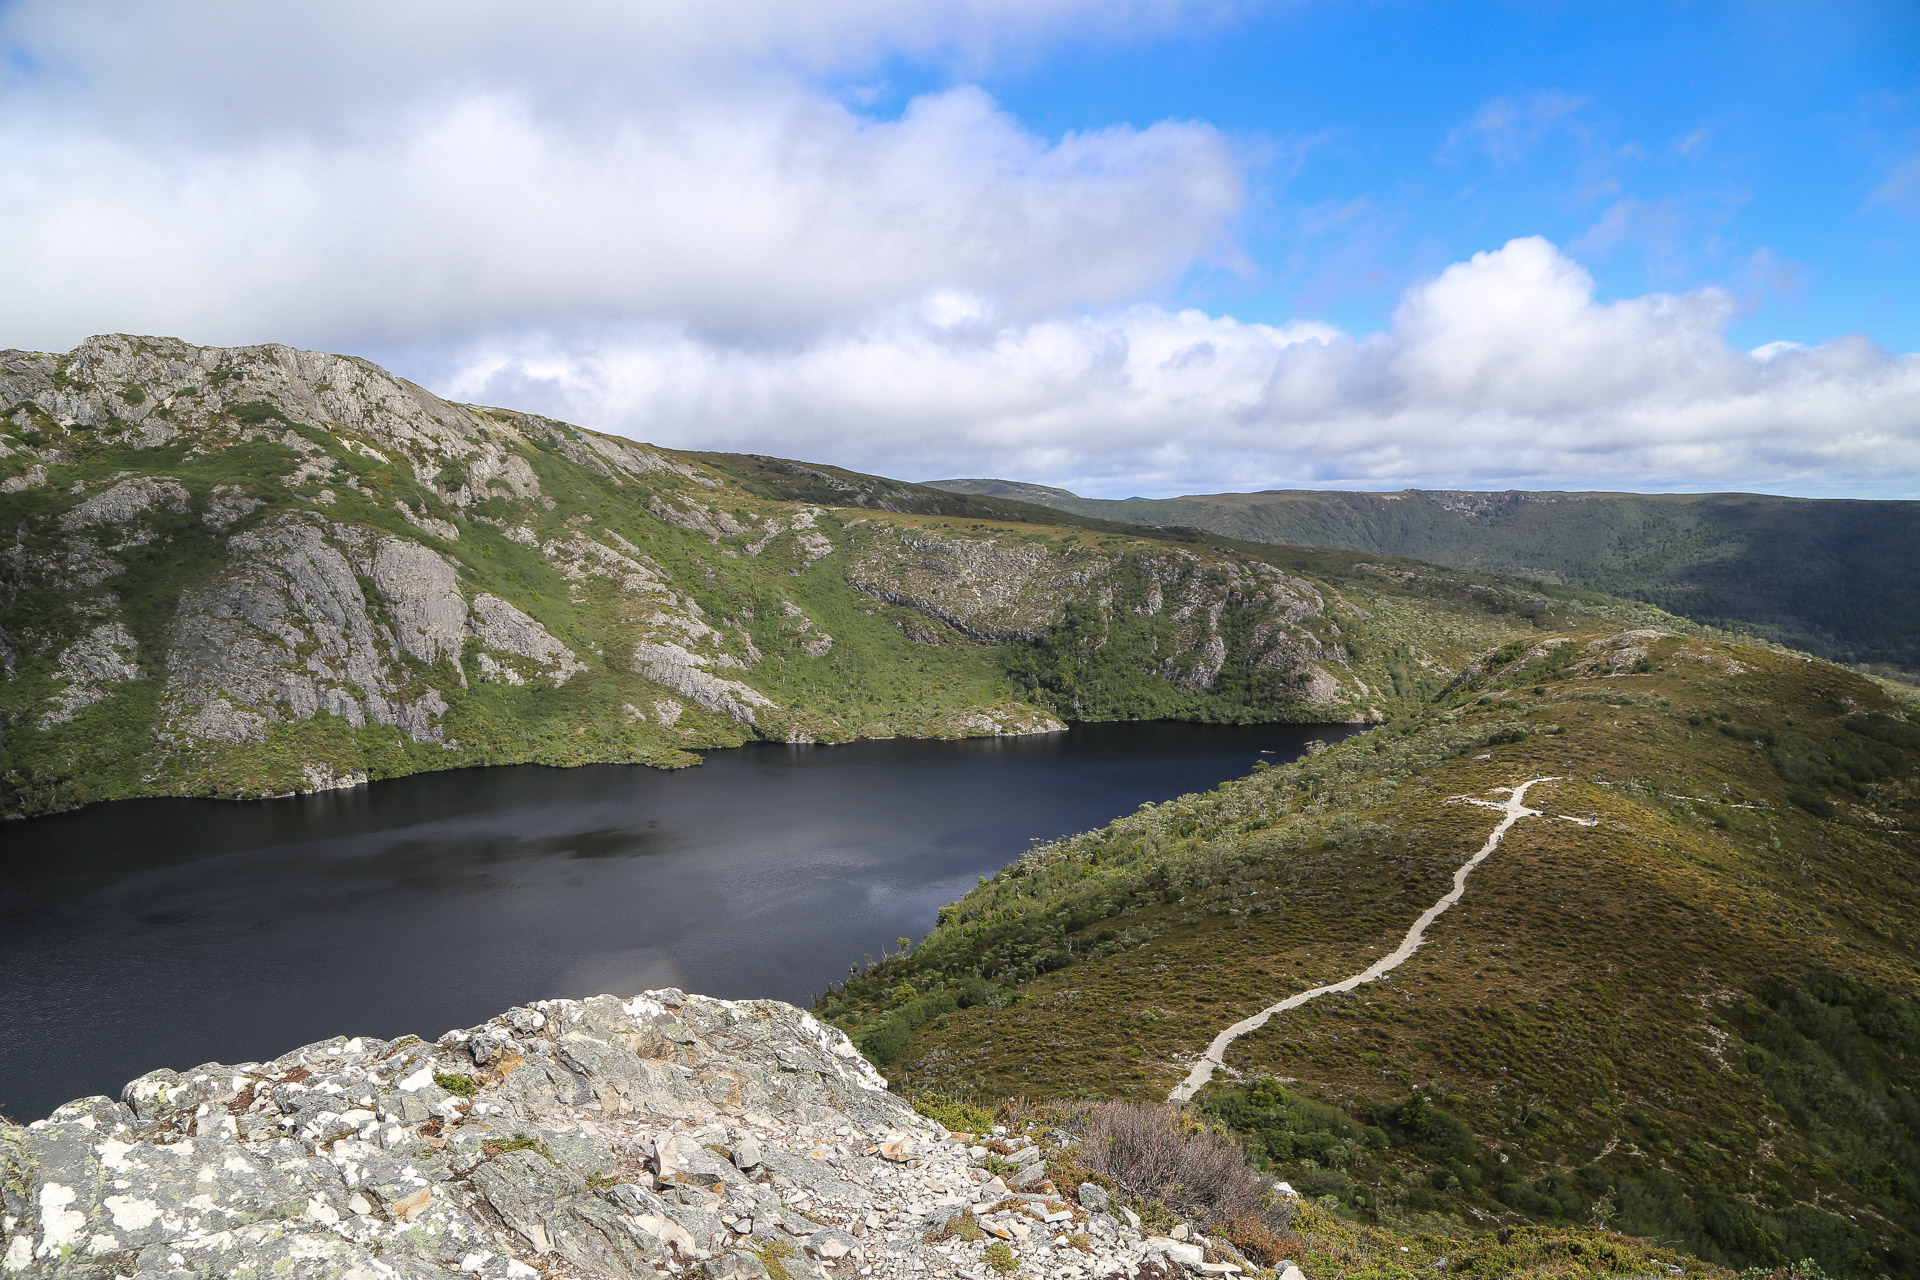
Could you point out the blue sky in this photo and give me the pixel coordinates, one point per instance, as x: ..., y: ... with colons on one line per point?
x: 1123, y: 246
x: 1668, y: 145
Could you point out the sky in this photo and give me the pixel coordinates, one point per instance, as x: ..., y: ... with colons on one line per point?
x: 1130, y: 247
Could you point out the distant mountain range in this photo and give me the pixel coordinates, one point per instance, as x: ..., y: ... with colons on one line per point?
x: 1835, y: 577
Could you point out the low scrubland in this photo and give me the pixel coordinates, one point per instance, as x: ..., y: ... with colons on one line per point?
x: 1695, y: 1021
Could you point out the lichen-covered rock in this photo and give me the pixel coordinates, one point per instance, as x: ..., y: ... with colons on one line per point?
x: 662, y: 1135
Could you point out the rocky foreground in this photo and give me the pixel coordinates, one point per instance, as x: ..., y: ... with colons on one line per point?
x: 664, y: 1135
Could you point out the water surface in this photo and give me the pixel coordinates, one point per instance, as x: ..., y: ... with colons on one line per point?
x: 173, y: 932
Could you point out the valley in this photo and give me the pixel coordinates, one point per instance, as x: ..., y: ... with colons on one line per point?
x: 1596, y: 945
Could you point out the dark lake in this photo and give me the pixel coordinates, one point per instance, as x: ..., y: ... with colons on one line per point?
x: 169, y: 933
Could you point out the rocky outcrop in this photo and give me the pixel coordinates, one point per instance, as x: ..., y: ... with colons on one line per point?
x: 985, y: 589
x: 289, y: 632
x: 103, y: 656
x: 504, y: 630
x: 124, y: 501
x: 663, y: 1135
x: 686, y: 673
x: 1004, y: 592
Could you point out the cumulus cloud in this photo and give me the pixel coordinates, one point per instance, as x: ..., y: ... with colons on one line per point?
x: 368, y: 172
x: 689, y: 222
x: 778, y: 213
x: 1501, y: 371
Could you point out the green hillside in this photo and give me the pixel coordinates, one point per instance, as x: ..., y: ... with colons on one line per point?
x: 253, y: 571
x: 1695, y: 1020
x: 1837, y: 578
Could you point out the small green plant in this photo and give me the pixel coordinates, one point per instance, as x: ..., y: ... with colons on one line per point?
x: 1001, y: 1258
x: 255, y: 412
x: 520, y: 1143
x: 962, y: 1226
x: 958, y: 1116
x: 464, y: 1086
x: 773, y: 1256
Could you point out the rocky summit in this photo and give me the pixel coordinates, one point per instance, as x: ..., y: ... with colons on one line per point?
x: 663, y: 1135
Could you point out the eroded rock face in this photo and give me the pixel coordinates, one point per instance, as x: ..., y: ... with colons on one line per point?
x: 662, y: 1135
x: 289, y: 631
x: 683, y: 671
x: 1000, y: 592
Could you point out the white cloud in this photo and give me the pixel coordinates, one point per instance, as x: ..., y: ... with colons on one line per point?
x: 771, y: 214
x: 1502, y: 371
x: 368, y: 172
x: 238, y: 66
x: 675, y: 219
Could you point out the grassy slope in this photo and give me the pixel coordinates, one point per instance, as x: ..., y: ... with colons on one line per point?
x: 1403, y: 625
x: 1698, y: 1017
x: 874, y: 681
x: 1838, y: 578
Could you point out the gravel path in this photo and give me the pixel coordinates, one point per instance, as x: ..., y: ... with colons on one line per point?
x: 1216, y: 1053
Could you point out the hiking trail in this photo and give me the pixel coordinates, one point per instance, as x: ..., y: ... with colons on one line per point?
x: 1215, y: 1056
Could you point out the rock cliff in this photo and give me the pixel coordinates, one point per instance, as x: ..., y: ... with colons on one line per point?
x: 663, y: 1135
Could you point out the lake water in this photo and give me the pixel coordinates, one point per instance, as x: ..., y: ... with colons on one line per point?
x: 174, y: 932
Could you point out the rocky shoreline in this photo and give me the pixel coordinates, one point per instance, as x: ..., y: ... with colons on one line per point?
x: 666, y: 1135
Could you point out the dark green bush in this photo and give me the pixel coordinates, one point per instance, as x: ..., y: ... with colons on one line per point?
x: 1434, y: 1133
x: 1812, y: 801
x: 1884, y: 728
x: 254, y: 412
x: 1287, y: 1126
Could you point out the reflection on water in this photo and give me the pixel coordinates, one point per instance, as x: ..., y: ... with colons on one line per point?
x: 174, y: 932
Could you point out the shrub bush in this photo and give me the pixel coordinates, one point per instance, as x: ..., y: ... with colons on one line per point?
x: 1170, y: 1155
x: 1432, y: 1132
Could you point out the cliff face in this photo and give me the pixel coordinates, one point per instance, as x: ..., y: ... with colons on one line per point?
x: 662, y: 1135
x: 259, y: 570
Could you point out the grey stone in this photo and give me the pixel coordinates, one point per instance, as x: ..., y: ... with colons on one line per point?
x: 832, y: 1245
x: 735, y: 1265
x: 345, y: 1158
x: 1032, y: 1175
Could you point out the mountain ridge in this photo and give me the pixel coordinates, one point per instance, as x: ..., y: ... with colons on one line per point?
x: 1835, y: 576
x: 250, y: 571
